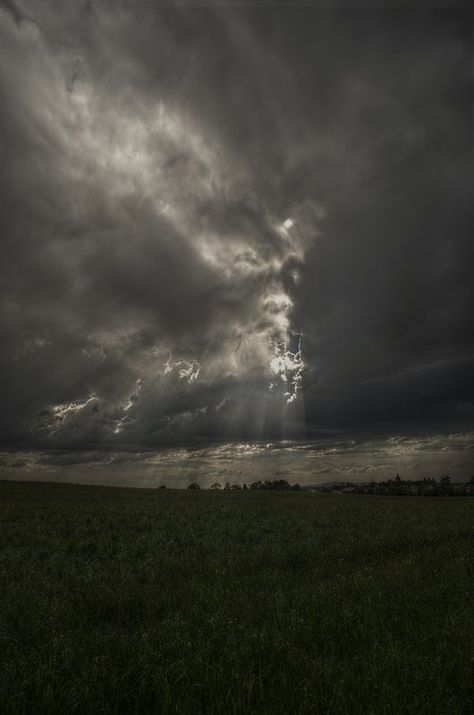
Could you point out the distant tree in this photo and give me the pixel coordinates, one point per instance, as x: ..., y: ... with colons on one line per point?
x: 445, y: 484
x: 244, y: 486
x: 280, y: 484
x: 216, y: 485
x: 227, y: 485
x: 397, y: 485
x: 194, y: 485
x: 162, y: 486
x: 296, y: 487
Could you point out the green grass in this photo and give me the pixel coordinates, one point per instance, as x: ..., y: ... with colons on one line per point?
x: 124, y: 601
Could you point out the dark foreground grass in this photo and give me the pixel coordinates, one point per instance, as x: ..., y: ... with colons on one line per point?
x: 123, y: 601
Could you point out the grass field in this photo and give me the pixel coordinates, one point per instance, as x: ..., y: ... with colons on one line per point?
x: 124, y: 601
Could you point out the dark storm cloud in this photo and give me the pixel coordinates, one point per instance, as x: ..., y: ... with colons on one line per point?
x: 183, y: 188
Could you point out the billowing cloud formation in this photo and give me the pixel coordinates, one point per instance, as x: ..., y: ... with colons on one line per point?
x: 222, y: 223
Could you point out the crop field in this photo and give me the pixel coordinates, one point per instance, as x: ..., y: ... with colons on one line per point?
x: 141, y: 601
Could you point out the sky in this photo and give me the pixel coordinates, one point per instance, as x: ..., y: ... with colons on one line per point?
x: 236, y: 234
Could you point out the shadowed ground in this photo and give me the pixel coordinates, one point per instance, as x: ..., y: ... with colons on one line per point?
x: 121, y: 600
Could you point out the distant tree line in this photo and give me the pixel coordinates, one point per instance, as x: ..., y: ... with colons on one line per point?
x: 408, y: 487
x: 276, y: 484
x: 391, y: 487
x: 268, y: 484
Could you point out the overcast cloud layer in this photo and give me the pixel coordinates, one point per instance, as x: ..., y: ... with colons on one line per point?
x: 234, y: 224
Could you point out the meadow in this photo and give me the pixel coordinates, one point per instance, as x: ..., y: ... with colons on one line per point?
x: 142, y: 601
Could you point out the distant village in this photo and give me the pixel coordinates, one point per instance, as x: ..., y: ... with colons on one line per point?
x: 392, y: 487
